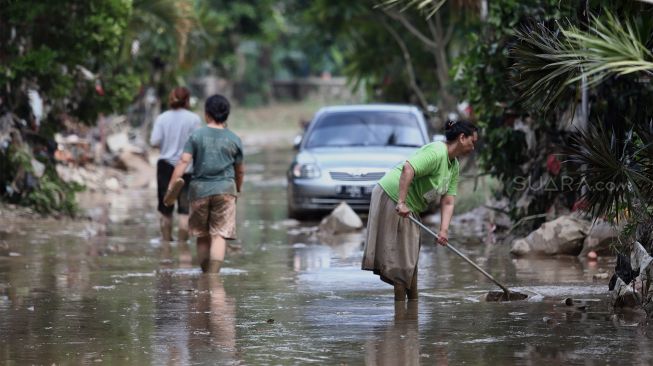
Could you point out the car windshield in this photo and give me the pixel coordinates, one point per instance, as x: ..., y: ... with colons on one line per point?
x: 366, y: 128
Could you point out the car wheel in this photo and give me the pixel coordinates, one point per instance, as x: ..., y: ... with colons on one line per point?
x: 293, y: 213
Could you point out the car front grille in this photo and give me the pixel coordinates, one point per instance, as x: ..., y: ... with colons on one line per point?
x: 358, y: 204
x: 345, y: 176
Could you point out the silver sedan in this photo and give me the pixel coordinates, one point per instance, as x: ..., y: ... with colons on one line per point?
x: 346, y: 150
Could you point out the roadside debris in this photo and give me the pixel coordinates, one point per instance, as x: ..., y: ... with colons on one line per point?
x: 631, y: 284
x: 109, y: 157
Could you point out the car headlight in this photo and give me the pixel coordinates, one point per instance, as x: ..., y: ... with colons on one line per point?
x: 307, y: 170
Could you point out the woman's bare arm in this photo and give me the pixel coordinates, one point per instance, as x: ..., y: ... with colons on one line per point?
x: 407, y: 175
x: 446, y: 212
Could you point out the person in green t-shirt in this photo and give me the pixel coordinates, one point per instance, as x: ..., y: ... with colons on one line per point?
x: 217, y: 178
x: 430, y: 174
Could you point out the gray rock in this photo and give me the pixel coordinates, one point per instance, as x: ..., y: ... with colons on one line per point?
x: 341, y: 220
x: 563, y: 235
x: 600, y: 237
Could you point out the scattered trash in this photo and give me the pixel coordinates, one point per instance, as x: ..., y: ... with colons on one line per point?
x: 600, y: 276
x: 637, y: 268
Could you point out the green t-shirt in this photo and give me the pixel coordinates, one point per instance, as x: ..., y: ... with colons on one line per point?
x: 435, y: 175
x: 215, y: 151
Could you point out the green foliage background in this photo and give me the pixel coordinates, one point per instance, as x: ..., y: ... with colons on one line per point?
x: 483, y: 75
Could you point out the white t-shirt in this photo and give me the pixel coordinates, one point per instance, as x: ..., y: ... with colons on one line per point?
x: 171, y: 131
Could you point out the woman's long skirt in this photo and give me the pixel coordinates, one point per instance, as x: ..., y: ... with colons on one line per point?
x: 392, y: 245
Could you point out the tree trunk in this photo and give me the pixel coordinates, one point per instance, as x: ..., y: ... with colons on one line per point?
x: 447, y: 101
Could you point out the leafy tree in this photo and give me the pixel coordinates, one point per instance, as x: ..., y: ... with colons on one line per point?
x: 399, y: 56
x: 520, y: 143
x: 525, y: 72
x: 65, y: 51
x: 61, y: 49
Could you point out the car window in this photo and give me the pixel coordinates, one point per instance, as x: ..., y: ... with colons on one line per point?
x: 365, y: 129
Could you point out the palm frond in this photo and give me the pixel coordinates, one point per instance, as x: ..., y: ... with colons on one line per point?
x: 611, y: 178
x: 548, y: 61
x: 428, y: 7
x: 644, y: 132
x: 540, y: 70
x: 611, y: 47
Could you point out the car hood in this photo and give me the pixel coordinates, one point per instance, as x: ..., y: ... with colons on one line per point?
x: 384, y: 157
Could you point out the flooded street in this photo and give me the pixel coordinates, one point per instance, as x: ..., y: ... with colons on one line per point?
x: 83, y: 293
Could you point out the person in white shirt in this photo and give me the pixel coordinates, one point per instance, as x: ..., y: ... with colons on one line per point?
x: 170, y: 133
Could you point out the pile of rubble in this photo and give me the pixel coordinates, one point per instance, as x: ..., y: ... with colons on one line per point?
x: 111, y: 156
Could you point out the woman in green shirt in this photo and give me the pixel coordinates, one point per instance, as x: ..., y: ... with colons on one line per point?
x: 431, y: 173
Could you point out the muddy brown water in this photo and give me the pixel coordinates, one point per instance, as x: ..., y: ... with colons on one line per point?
x: 77, y: 294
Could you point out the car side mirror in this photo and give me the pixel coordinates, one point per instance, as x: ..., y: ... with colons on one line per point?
x: 439, y: 137
x: 297, y: 141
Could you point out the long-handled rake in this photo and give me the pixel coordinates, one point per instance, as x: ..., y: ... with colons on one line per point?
x: 506, y: 295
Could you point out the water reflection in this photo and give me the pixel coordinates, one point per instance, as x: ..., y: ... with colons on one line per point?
x: 195, y: 321
x: 549, y: 270
x: 175, y: 254
x: 397, y: 343
x: 212, y: 322
x: 310, y: 257
x: 170, y: 340
x: 323, y: 249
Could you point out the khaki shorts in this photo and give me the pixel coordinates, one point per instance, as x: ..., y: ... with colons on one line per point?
x: 213, y: 215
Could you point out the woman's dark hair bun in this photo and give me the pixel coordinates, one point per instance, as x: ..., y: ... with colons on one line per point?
x: 453, y: 129
x: 178, y: 97
x: 450, y: 123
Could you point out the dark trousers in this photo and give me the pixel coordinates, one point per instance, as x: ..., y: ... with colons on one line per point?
x: 163, y: 175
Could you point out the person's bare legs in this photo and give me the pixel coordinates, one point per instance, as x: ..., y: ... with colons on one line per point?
x: 185, y: 255
x: 218, y: 249
x: 165, y: 223
x: 210, y: 252
x: 203, y: 251
x: 412, y: 291
x: 166, y: 254
x: 182, y: 229
x: 400, y: 292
